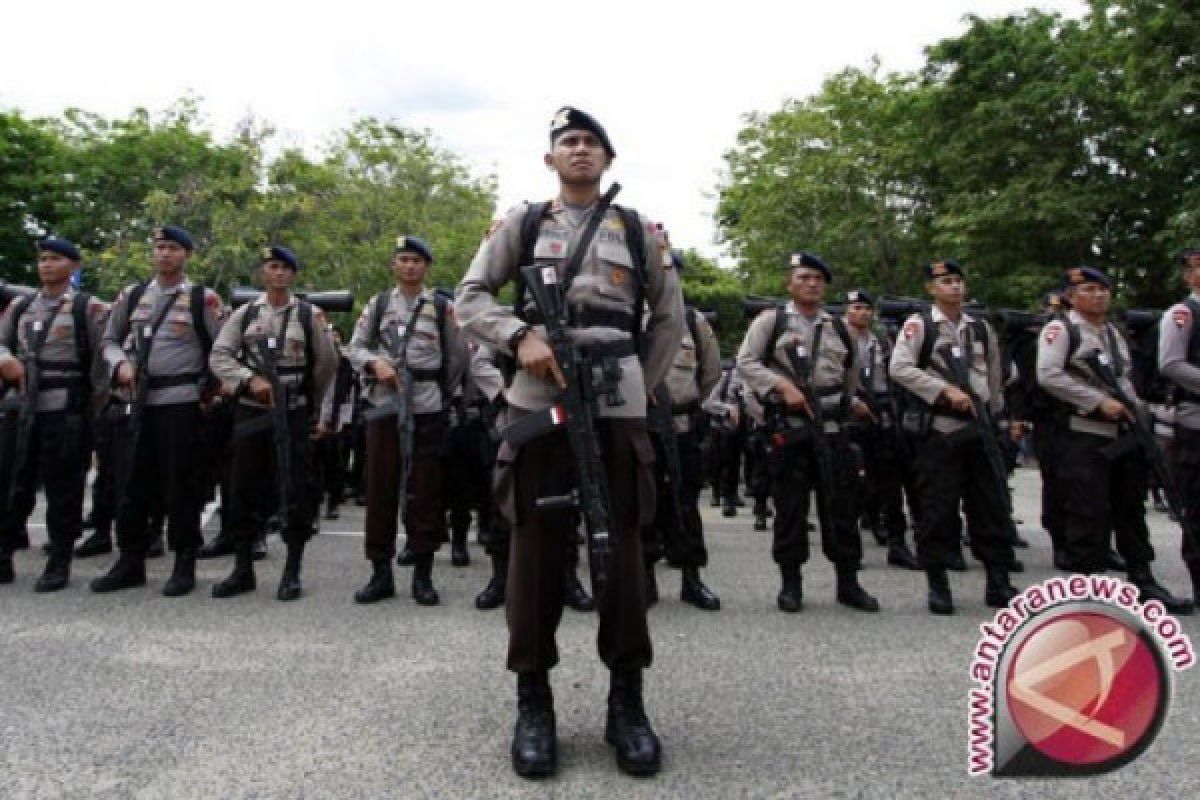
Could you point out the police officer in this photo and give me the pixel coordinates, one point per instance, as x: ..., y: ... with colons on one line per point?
x: 800, y: 335
x: 174, y: 321
x: 879, y: 438
x: 680, y: 536
x: 1102, y: 488
x: 58, y: 332
x: 413, y: 325
x: 1179, y: 362
x: 952, y: 468
x: 616, y: 272
x: 281, y: 334
x: 337, y: 413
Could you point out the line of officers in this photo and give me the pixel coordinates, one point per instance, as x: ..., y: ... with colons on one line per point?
x: 899, y: 423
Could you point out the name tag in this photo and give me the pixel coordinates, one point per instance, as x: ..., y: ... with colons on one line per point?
x: 147, y: 332
x: 1102, y: 357
x: 272, y: 343
x: 801, y: 351
x: 956, y: 351
x: 37, y: 326
x: 401, y: 328
x: 549, y: 275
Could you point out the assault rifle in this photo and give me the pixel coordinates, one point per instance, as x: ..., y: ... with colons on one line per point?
x: 400, y: 405
x: 266, y: 362
x: 802, y: 367
x: 661, y: 422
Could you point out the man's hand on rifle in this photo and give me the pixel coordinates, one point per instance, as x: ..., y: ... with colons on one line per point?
x: 385, y: 373
x: 957, y: 399
x: 125, y: 376
x: 259, y: 388
x: 13, y: 371
x: 536, y: 358
x: 1113, y: 409
x: 731, y: 414
x: 860, y: 410
x: 792, y: 397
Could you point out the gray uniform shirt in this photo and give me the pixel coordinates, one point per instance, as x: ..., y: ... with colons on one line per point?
x: 56, y: 314
x: 695, y: 370
x: 176, y: 349
x: 427, y: 347
x: 232, y: 372
x: 483, y: 379
x: 1174, y: 332
x: 1072, y: 381
x: 872, y: 359
x: 984, y: 359
x: 606, y: 281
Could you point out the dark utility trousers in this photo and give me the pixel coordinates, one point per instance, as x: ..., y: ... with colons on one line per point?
x: 1187, y: 482
x: 678, y: 536
x: 543, y: 545
x: 424, y: 516
x: 59, y: 453
x: 794, y: 478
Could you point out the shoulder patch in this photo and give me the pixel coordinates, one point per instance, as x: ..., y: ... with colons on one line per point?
x: 211, y: 300
x: 1053, y: 330
x: 1181, y: 316
x: 912, y: 328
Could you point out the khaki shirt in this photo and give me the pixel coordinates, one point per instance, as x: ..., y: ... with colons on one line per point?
x: 1073, y: 382
x: 56, y: 313
x: 695, y: 370
x: 984, y: 359
x: 176, y: 349
x: 427, y: 348
x: 233, y: 372
x: 1174, y: 333
x: 606, y: 281
x: 834, y: 371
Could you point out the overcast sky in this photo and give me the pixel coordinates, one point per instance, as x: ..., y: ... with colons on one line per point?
x: 669, y: 80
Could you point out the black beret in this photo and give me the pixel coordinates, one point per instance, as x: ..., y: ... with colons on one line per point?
x: 860, y: 296
x: 1078, y: 275
x: 173, y: 233
x: 568, y: 118
x: 413, y: 244
x: 805, y: 259
x: 277, y: 253
x: 1190, y: 257
x: 63, y: 247
x: 939, y: 268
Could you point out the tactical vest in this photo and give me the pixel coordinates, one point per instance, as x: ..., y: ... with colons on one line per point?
x: 78, y: 382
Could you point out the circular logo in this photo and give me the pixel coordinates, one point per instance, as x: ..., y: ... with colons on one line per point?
x: 1088, y: 690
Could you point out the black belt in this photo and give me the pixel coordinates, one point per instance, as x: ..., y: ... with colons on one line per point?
x: 49, y: 382
x: 685, y: 408
x: 425, y: 375
x: 618, y: 349
x: 589, y: 318
x: 59, y: 366
x: 170, y: 381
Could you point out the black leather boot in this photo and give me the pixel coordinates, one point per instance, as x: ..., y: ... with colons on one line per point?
x: 998, y: 591
x: 899, y: 555
x: 183, y: 575
x: 289, y: 583
x: 494, y: 594
x: 56, y: 574
x: 98, y: 544
x: 534, y: 748
x: 574, y: 595
x: 380, y: 586
x: 651, y: 586
x: 221, y: 545
x: 422, y: 581
x: 627, y: 730
x: 729, y: 508
x: 694, y: 592
x: 242, y: 579
x: 941, y: 602
x: 128, y: 572
x: 760, y: 522
x: 1150, y: 589
x: 7, y: 575
x: 850, y: 592
x: 459, y: 557
x: 791, y: 595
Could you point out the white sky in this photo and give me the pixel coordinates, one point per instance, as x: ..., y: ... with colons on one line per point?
x: 669, y: 80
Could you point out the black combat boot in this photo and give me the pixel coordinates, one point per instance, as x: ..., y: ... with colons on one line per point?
x: 259, y: 550
x: 1150, y: 589
x: 98, y: 544
x: 242, y: 578
x: 221, y: 545
x: 729, y: 508
x: 715, y: 502
x: 791, y: 595
x: 183, y: 575
x: 941, y: 602
x: 6, y: 567
x: 694, y: 592
x: 422, y: 581
x: 406, y: 558
x: 289, y: 583
x: 574, y: 595
x: 128, y: 572
x: 56, y: 574
x: 380, y: 586
x: 534, y: 748
x: 651, y: 586
x: 494, y: 594
x: 627, y: 730
x: 850, y: 592
x: 760, y: 523
x: 998, y: 592
x: 899, y: 554
x: 459, y: 557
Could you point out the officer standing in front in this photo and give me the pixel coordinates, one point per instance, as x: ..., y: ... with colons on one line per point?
x: 173, y: 322
x: 606, y: 298
x: 280, y: 333
x: 801, y: 335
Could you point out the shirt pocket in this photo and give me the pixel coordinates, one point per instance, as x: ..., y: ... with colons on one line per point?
x: 616, y: 280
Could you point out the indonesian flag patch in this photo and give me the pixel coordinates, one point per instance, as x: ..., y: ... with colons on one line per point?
x: 910, y: 329
x: 1052, y: 333
x: 1181, y: 317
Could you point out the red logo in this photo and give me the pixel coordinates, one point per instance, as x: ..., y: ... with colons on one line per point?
x: 1180, y: 317
x: 1051, y: 334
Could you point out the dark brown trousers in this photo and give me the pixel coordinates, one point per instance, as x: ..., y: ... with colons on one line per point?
x: 425, y: 515
x: 543, y: 542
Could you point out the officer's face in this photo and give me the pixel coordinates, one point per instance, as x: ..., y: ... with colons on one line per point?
x: 1191, y: 275
x: 54, y: 267
x: 578, y: 157
x: 859, y: 315
x: 949, y: 289
x: 1091, y: 298
x: 277, y: 275
x: 169, y: 257
x: 806, y: 286
x: 409, y: 268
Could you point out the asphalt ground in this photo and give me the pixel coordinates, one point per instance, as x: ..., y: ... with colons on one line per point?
x: 133, y: 695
